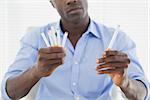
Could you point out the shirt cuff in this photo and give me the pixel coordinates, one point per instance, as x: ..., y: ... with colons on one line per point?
x: 3, y: 89
x: 147, y: 85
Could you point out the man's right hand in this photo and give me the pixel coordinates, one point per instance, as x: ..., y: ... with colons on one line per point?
x: 48, y: 60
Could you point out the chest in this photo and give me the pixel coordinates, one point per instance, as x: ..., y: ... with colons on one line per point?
x: 74, y: 39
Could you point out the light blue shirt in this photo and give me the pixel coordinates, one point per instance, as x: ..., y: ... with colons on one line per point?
x: 77, y: 77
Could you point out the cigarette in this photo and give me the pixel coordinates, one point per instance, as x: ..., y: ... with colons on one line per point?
x: 58, y: 38
x: 53, y: 35
x: 112, y: 41
x: 113, y: 38
x: 45, y: 39
x: 64, y: 39
x: 50, y: 38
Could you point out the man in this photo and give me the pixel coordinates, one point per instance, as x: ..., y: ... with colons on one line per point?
x: 75, y: 72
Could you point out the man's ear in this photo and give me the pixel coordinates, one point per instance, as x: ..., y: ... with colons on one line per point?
x: 52, y: 3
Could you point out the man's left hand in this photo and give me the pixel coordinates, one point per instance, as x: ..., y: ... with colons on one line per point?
x: 115, y: 64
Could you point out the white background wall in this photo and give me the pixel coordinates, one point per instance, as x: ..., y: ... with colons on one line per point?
x: 17, y: 15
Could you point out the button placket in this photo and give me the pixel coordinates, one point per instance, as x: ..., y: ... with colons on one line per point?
x: 78, y: 53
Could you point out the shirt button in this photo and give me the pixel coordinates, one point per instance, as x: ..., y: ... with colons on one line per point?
x: 74, y: 84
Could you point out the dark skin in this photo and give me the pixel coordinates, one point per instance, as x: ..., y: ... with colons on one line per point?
x: 75, y: 20
x: 74, y: 17
x: 48, y: 60
x: 115, y: 64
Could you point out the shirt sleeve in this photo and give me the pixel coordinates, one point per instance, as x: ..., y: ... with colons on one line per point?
x: 25, y: 58
x: 135, y: 70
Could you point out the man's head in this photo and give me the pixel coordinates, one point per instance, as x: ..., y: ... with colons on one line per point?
x: 73, y: 11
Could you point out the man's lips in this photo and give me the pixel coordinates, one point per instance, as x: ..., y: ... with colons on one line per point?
x: 73, y: 9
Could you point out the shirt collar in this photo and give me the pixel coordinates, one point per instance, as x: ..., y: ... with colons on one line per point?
x: 94, y: 29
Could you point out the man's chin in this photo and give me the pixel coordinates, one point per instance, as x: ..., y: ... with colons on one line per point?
x: 76, y: 19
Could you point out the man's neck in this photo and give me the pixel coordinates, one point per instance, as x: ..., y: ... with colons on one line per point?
x: 76, y: 28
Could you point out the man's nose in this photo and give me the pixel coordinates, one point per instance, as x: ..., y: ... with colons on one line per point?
x: 71, y: 2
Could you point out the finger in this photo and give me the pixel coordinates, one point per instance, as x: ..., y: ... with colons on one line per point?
x: 114, y: 52
x: 110, y: 68
x: 101, y: 60
x: 52, y: 56
x: 54, y: 49
x: 104, y: 54
x: 111, y: 71
x: 112, y: 65
x: 113, y: 59
x: 51, y: 62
